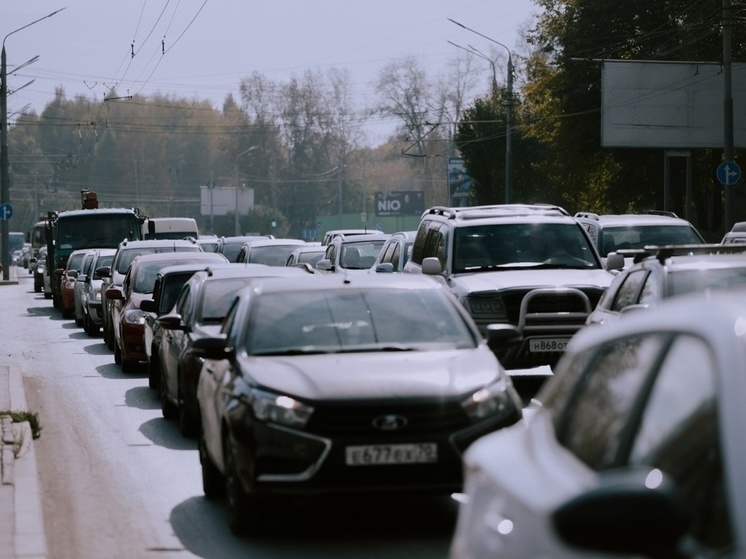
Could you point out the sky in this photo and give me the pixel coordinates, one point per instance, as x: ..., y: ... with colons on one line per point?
x: 201, y: 49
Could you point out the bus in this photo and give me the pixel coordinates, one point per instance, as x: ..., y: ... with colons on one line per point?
x: 16, y: 239
x: 38, y: 237
x: 90, y: 227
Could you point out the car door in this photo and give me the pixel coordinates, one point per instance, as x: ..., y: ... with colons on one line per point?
x: 214, y: 381
x: 173, y: 340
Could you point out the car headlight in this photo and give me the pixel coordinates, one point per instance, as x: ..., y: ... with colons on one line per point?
x: 134, y: 316
x: 97, y: 294
x: 492, y: 400
x: 276, y: 408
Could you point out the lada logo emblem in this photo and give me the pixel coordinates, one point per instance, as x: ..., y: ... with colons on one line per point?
x: 390, y: 422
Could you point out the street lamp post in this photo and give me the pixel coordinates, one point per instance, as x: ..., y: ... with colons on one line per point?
x: 4, y: 164
x: 236, y: 224
x: 508, y: 116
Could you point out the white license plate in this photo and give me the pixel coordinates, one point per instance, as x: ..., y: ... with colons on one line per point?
x: 537, y: 345
x: 381, y: 454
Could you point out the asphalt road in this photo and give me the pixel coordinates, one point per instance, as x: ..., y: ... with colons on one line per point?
x: 119, y: 481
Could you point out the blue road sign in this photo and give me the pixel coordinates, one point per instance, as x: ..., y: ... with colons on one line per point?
x: 728, y: 172
x: 6, y: 212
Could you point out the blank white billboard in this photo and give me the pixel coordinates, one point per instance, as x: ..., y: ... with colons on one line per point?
x: 223, y: 200
x: 669, y: 104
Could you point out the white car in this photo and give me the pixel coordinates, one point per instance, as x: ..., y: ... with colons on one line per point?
x: 636, y: 449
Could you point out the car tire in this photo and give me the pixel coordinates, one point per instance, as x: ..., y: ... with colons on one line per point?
x: 129, y: 365
x: 213, y: 483
x: 154, y: 373
x: 168, y: 410
x: 117, y: 354
x: 186, y: 422
x: 245, y: 511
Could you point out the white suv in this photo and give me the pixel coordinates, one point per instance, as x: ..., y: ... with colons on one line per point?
x: 530, y: 266
x: 614, y: 232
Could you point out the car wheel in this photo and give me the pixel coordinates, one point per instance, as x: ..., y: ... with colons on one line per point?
x: 168, y: 410
x: 154, y: 373
x: 37, y: 288
x: 186, y: 423
x: 47, y: 295
x: 117, y: 354
x: 78, y: 322
x: 129, y: 366
x: 245, y: 511
x: 213, y: 483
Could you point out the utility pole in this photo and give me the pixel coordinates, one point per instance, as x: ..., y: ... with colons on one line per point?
x: 727, y: 111
x: 508, y: 115
x: 4, y: 163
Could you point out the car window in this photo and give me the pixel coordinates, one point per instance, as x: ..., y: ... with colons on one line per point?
x: 678, y: 433
x: 597, y: 413
x: 628, y: 291
x: 344, y: 320
x: 650, y: 293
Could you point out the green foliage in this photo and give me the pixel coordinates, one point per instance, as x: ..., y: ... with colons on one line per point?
x: 21, y: 416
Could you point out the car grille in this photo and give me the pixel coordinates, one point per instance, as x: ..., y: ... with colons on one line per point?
x: 356, y: 419
x: 548, y: 303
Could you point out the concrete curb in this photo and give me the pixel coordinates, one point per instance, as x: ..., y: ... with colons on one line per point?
x: 20, y: 472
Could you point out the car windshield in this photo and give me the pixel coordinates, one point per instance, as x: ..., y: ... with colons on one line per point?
x: 130, y: 254
x: 517, y: 245
x: 620, y: 238
x: 345, y: 320
x: 274, y: 255
x: 360, y: 256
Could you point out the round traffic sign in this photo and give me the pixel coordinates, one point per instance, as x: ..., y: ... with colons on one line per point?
x: 728, y: 172
x: 6, y: 212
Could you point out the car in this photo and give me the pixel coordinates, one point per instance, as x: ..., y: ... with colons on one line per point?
x: 305, y: 256
x: 329, y: 235
x: 355, y: 253
x: 166, y: 289
x: 395, y: 252
x: 737, y: 234
x: 209, y: 243
x: 365, y: 384
x: 528, y: 265
x: 614, y: 232
x: 114, y: 274
x: 229, y: 246
x: 634, y: 450
x: 40, y: 269
x: 127, y: 317
x: 79, y: 288
x: 199, y: 311
x: 659, y: 273
x: 272, y: 252
x: 92, y: 296
x: 69, y: 275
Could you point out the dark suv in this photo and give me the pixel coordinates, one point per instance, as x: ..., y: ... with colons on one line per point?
x: 530, y: 266
x: 113, y: 275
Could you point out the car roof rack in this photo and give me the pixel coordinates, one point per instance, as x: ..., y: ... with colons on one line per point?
x: 664, y: 213
x: 481, y: 212
x: 664, y: 252
x: 588, y: 215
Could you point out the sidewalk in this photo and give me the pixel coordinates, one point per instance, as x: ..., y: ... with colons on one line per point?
x: 21, y: 519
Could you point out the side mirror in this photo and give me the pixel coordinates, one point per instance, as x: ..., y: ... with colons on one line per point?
x: 325, y: 265
x: 114, y: 293
x: 385, y: 268
x: 431, y: 266
x: 614, y: 261
x: 171, y: 321
x: 103, y: 272
x: 211, y: 348
x: 148, y: 305
x: 646, y: 502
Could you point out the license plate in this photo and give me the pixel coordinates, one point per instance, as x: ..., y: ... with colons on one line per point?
x: 538, y: 345
x: 381, y: 454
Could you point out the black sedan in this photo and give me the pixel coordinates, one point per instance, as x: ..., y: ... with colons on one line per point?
x: 343, y: 384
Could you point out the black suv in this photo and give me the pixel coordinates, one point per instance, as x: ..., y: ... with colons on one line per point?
x: 531, y: 266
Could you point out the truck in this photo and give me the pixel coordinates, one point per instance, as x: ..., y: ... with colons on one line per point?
x: 88, y: 227
x: 169, y: 228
